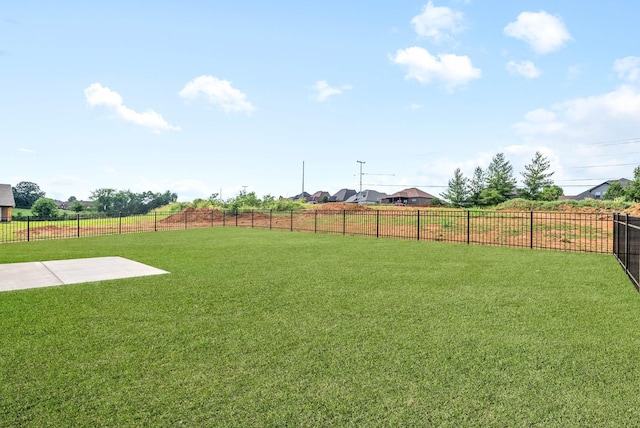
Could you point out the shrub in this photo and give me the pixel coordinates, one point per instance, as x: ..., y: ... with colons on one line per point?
x: 45, y: 208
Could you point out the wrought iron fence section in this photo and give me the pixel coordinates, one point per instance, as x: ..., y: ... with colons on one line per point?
x: 626, y: 245
x: 585, y: 232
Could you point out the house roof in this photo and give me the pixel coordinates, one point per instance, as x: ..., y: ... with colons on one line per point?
x: 623, y: 182
x: 342, y: 195
x: 6, y: 196
x: 302, y: 195
x: 411, y: 192
x: 366, y: 196
x: 320, y: 194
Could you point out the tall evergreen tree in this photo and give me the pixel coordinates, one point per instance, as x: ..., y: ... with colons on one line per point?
x: 476, y: 186
x: 501, y: 184
x: 536, y: 177
x: 632, y: 190
x: 457, y: 193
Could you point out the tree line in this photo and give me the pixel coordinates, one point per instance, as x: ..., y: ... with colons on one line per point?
x: 498, y: 184
x: 107, y: 201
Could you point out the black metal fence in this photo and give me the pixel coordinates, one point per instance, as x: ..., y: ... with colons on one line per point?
x: 565, y: 231
x: 626, y: 245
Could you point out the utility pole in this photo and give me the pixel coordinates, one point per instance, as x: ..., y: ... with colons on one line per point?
x: 303, y: 179
x: 361, y: 163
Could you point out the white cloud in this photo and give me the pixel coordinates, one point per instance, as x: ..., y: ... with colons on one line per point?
x: 543, y: 32
x: 615, y: 114
x: 324, y: 91
x: 452, y: 70
x: 577, y: 128
x: 25, y: 150
x: 98, y: 95
x: 438, y: 23
x: 66, y: 180
x: 218, y: 92
x: 628, y: 68
x: 523, y: 68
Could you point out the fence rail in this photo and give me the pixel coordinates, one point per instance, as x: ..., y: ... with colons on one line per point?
x: 584, y: 232
x: 626, y: 245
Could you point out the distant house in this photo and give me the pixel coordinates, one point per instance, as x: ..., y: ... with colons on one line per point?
x: 411, y: 196
x: 7, y: 203
x: 342, y: 195
x: 597, y: 192
x: 366, y: 197
x: 64, y: 205
x: 303, y: 195
x: 319, y: 197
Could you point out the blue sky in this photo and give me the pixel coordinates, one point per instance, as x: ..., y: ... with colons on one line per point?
x: 199, y: 97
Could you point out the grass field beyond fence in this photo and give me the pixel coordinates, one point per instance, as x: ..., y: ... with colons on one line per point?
x: 256, y: 328
x: 566, y: 231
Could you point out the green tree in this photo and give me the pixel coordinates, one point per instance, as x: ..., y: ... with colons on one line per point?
x: 77, y: 206
x: 476, y: 186
x: 491, y: 197
x: 45, y: 208
x: 457, y: 192
x: 614, y: 191
x: 632, y: 190
x: 126, y: 202
x: 26, y: 193
x: 103, y: 200
x: 536, y: 177
x: 500, y: 182
x: 551, y: 193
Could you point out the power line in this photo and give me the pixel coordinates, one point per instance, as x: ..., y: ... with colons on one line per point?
x: 601, y: 166
x: 615, y: 142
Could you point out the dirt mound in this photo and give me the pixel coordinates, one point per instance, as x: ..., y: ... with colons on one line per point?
x: 633, y: 210
x: 572, y: 208
x: 193, y: 215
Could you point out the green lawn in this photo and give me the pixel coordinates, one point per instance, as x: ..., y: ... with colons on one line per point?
x: 273, y: 328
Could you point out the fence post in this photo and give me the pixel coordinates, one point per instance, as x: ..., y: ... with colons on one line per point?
x: 468, y: 226
x: 155, y: 220
x: 212, y: 214
x: 626, y: 240
x: 224, y: 217
x: 377, y: 223
x: 28, y: 228
x: 315, y: 222
x: 78, y: 224
x: 186, y: 214
x: 615, y: 234
x: 270, y: 217
x: 251, y: 219
x: 291, y: 222
x: 344, y: 222
x: 418, y: 234
x: 531, y: 231
x: 120, y: 223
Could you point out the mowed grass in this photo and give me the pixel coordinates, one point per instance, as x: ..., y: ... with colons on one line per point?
x: 272, y: 328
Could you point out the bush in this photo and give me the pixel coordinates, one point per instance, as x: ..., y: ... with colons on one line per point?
x: 45, y: 208
x: 437, y: 202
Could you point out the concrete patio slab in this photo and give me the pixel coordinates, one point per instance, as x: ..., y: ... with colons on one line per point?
x: 20, y: 276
